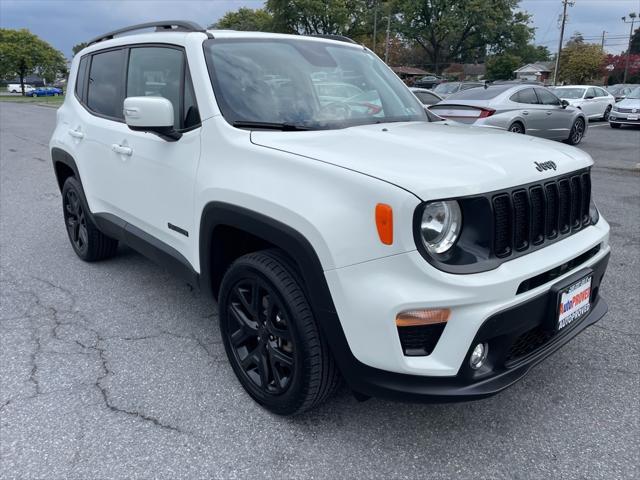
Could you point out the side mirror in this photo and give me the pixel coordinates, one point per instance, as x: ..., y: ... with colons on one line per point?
x: 564, y: 103
x: 151, y: 114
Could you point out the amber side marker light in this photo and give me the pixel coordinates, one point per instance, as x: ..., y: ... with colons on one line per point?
x: 384, y: 223
x: 415, y: 318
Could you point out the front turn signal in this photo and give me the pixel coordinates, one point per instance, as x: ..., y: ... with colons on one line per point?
x: 384, y: 223
x: 415, y: 318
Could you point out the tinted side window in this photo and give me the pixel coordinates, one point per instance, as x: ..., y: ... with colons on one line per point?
x: 81, y: 77
x: 525, y: 96
x: 105, y: 89
x: 546, y: 97
x: 158, y: 72
x: 591, y: 92
x: 427, y: 98
x: 600, y: 92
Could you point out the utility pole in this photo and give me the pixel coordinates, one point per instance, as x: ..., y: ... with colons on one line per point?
x: 565, y: 4
x: 386, y: 48
x: 375, y: 25
x: 632, y: 16
x: 602, y: 44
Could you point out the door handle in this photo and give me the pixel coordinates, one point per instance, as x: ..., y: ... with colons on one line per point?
x: 76, y: 134
x: 122, y: 150
x: 525, y: 112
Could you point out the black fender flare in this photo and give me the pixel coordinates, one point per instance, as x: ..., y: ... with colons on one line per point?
x: 59, y: 155
x: 299, y: 250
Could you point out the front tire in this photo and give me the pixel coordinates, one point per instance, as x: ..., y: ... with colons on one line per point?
x: 607, y: 112
x: 271, y: 337
x: 577, y: 132
x: 89, y: 243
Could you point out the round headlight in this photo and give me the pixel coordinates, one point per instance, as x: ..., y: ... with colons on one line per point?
x: 440, y: 225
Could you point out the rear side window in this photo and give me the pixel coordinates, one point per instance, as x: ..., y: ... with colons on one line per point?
x: 105, y: 92
x: 600, y: 92
x: 81, y: 83
x: 546, y: 97
x: 525, y: 96
x: 591, y: 92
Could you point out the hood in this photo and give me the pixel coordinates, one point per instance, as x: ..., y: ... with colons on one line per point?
x: 432, y: 160
x: 629, y: 103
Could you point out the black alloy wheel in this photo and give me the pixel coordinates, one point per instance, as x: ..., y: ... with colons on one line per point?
x: 607, y: 112
x: 76, y: 221
x: 259, y: 334
x: 89, y: 243
x: 271, y: 337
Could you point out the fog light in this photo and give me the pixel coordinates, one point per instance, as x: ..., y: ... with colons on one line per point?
x: 479, y: 355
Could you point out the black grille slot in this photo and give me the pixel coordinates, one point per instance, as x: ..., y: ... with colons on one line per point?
x: 564, y: 190
x: 521, y: 220
x: 527, y: 343
x: 576, y: 202
x: 420, y: 340
x: 552, y: 210
x: 586, y: 198
x: 502, y: 225
x: 536, y: 198
x: 527, y: 217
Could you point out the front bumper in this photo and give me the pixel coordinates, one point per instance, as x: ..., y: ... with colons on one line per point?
x: 623, y: 118
x: 509, y: 358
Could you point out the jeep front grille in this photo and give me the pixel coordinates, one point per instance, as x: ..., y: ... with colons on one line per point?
x: 539, y: 213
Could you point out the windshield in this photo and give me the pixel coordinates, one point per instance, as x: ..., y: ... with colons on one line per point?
x: 569, y: 92
x: 305, y: 84
x: 447, y: 88
x: 635, y: 93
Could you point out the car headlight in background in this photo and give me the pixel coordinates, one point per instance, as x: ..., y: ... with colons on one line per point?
x: 440, y: 225
x: 614, y: 108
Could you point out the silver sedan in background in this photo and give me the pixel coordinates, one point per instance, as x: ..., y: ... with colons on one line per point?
x: 526, y: 109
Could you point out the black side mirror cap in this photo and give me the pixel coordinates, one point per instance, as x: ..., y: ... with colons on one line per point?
x: 564, y: 103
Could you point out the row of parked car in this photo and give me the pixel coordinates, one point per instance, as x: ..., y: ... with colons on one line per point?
x: 560, y: 113
x: 31, y: 91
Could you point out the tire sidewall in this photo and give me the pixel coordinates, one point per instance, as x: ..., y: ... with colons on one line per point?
x: 289, y: 401
x: 575, y: 123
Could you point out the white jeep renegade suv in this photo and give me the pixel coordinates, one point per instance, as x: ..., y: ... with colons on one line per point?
x: 343, y: 233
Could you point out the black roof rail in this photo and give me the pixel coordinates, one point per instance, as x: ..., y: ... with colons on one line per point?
x: 167, y: 25
x: 338, y: 38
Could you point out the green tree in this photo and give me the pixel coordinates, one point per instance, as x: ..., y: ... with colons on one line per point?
x: 502, y: 66
x: 22, y: 53
x: 79, y: 46
x: 317, y: 17
x: 462, y: 30
x: 246, y: 19
x: 580, y: 62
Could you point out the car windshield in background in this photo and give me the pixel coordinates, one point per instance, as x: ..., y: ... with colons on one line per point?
x: 446, y: 88
x: 571, y: 93
x: 305, y: 84
x: 479, y: 93
x: 634, y: 94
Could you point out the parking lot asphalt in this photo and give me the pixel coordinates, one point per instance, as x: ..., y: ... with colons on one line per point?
x: 116, y: 369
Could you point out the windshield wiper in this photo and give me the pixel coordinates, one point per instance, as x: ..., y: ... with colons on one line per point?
x: 285, y: 127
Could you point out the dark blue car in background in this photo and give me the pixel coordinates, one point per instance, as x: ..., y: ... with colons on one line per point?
x: 44, y: 92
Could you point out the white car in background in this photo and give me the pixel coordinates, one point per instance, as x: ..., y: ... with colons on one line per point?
x: 16, y: 88
x: 595, y: 102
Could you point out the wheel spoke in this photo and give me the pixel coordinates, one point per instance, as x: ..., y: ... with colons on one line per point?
x: 279, y: 357
x: 239, y: 337
x: 275, y: 326
x: 263, y: 367
x: 241, y: 318
x: 83, y: 237
x: 278, y: 380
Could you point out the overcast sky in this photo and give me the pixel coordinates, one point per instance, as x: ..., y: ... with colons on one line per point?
x: 63, y: 23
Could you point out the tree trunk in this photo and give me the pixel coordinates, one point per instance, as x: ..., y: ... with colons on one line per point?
x: 22, y: 83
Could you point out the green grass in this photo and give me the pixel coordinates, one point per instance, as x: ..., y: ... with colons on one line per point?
x: 44, y: 101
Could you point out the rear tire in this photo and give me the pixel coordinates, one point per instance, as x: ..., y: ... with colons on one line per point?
x: 517, y: 127
x: 576, y: 133
x: 271, y: 337
x: 605, y: 117
x: 614, y: 125
x: 89, y: 243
